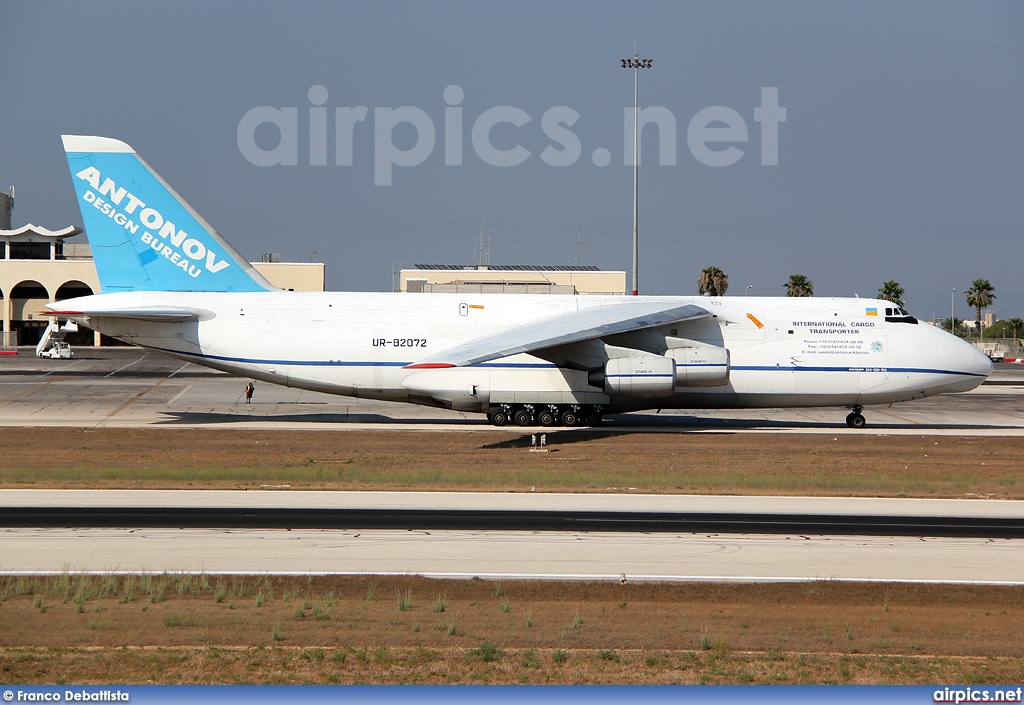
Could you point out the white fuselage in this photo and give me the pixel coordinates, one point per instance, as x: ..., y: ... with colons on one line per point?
x: 784, y: 351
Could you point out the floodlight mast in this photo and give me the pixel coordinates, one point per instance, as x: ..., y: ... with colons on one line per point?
x: 636, y: 63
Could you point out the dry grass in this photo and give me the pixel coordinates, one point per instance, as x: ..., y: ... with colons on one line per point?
x: 173, y: 629
x: 401, y: 666
x: 847, y: 465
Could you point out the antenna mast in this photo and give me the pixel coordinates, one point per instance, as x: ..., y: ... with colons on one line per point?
x: 578, y: 243
x: 480, y: 250
x: 483, y: 255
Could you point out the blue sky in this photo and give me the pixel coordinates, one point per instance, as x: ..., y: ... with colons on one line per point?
x: 901, y: 157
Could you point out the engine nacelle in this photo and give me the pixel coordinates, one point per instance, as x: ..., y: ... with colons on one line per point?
x: 638, y: 377
x: 701, y: 367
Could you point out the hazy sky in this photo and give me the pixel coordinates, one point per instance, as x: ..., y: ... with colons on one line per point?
x: 901, y: 155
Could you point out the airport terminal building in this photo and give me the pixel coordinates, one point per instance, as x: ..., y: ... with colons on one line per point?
x: 510, y: 279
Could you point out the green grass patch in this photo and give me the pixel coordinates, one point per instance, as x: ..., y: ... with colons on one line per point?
x: 176, y: 620
x: 487, y: 653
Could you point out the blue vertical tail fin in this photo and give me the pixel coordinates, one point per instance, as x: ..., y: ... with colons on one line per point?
x: 143, y: 235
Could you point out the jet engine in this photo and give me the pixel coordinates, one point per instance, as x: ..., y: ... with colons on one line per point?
x: 640, y: 377
x: 701, y: 367
x: 650, y: 376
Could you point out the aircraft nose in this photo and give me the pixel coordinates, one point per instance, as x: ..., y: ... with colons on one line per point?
x: 970, y: 360
x: 973, y: 365
x: 982, y: 363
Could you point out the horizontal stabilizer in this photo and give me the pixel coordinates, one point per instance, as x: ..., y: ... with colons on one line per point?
x: 564, y: 328
x: 167, y: 314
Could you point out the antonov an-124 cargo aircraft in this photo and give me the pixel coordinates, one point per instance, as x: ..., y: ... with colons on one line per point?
x: 169, y: 282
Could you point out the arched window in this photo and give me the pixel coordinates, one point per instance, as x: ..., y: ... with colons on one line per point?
x: 27, y: 299
x: 72, y: 290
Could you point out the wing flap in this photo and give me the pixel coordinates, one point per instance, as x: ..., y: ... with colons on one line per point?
x: 563, y: 329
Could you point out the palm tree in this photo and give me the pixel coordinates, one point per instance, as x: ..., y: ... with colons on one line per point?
x: 956, y: 323
x: 892, y: 291
x: 713, y: 282
x: 980, y: 295
x: 799, y: 285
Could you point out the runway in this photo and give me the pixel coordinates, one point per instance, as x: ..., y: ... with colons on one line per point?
x: 515, y: 555
x: 434, y: 511
x: 511, y: 554
x: 131, y: 388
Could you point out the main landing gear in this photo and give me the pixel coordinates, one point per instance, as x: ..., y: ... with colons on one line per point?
x: 856, y: 419
x: 546, y: 415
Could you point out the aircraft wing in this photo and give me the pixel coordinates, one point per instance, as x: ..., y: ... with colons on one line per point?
x: 164, y: 314
x: 563, y: 329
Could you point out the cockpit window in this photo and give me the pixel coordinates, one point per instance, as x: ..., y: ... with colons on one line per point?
x: 898, y: 314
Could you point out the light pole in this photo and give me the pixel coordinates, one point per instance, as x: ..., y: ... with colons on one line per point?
x: 749, y: 287
x: 951, y: 305
x: 636, y: 63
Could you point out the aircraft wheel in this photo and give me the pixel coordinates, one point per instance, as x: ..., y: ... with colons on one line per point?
x: 546, y: 417
x: 593, y: 418
x: 499, y: 417
x: 522, y: 417
x: 568, y: 417
x: 856, y: 420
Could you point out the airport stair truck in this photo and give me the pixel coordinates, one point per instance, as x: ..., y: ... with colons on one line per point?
x: 52, y: 344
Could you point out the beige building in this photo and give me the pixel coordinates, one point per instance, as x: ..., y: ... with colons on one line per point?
x: 294, y: 276
x: 510, y: 279
x: 988, y: 319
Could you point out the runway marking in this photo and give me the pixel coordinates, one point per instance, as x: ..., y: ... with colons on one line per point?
x: 7, y: 401
x: 124, y: 366
x: 901, y: 418
x: 180, y: 394
x: 179, y: 370
x: 135, y: 398
x: 79, y: 362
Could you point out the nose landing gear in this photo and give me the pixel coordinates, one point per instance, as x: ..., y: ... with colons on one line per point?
x: 856, y: 419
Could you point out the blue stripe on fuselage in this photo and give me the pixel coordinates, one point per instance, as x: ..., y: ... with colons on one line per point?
x: 546, y: 365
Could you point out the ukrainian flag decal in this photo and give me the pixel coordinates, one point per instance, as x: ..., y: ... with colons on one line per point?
x: 871, y: 311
